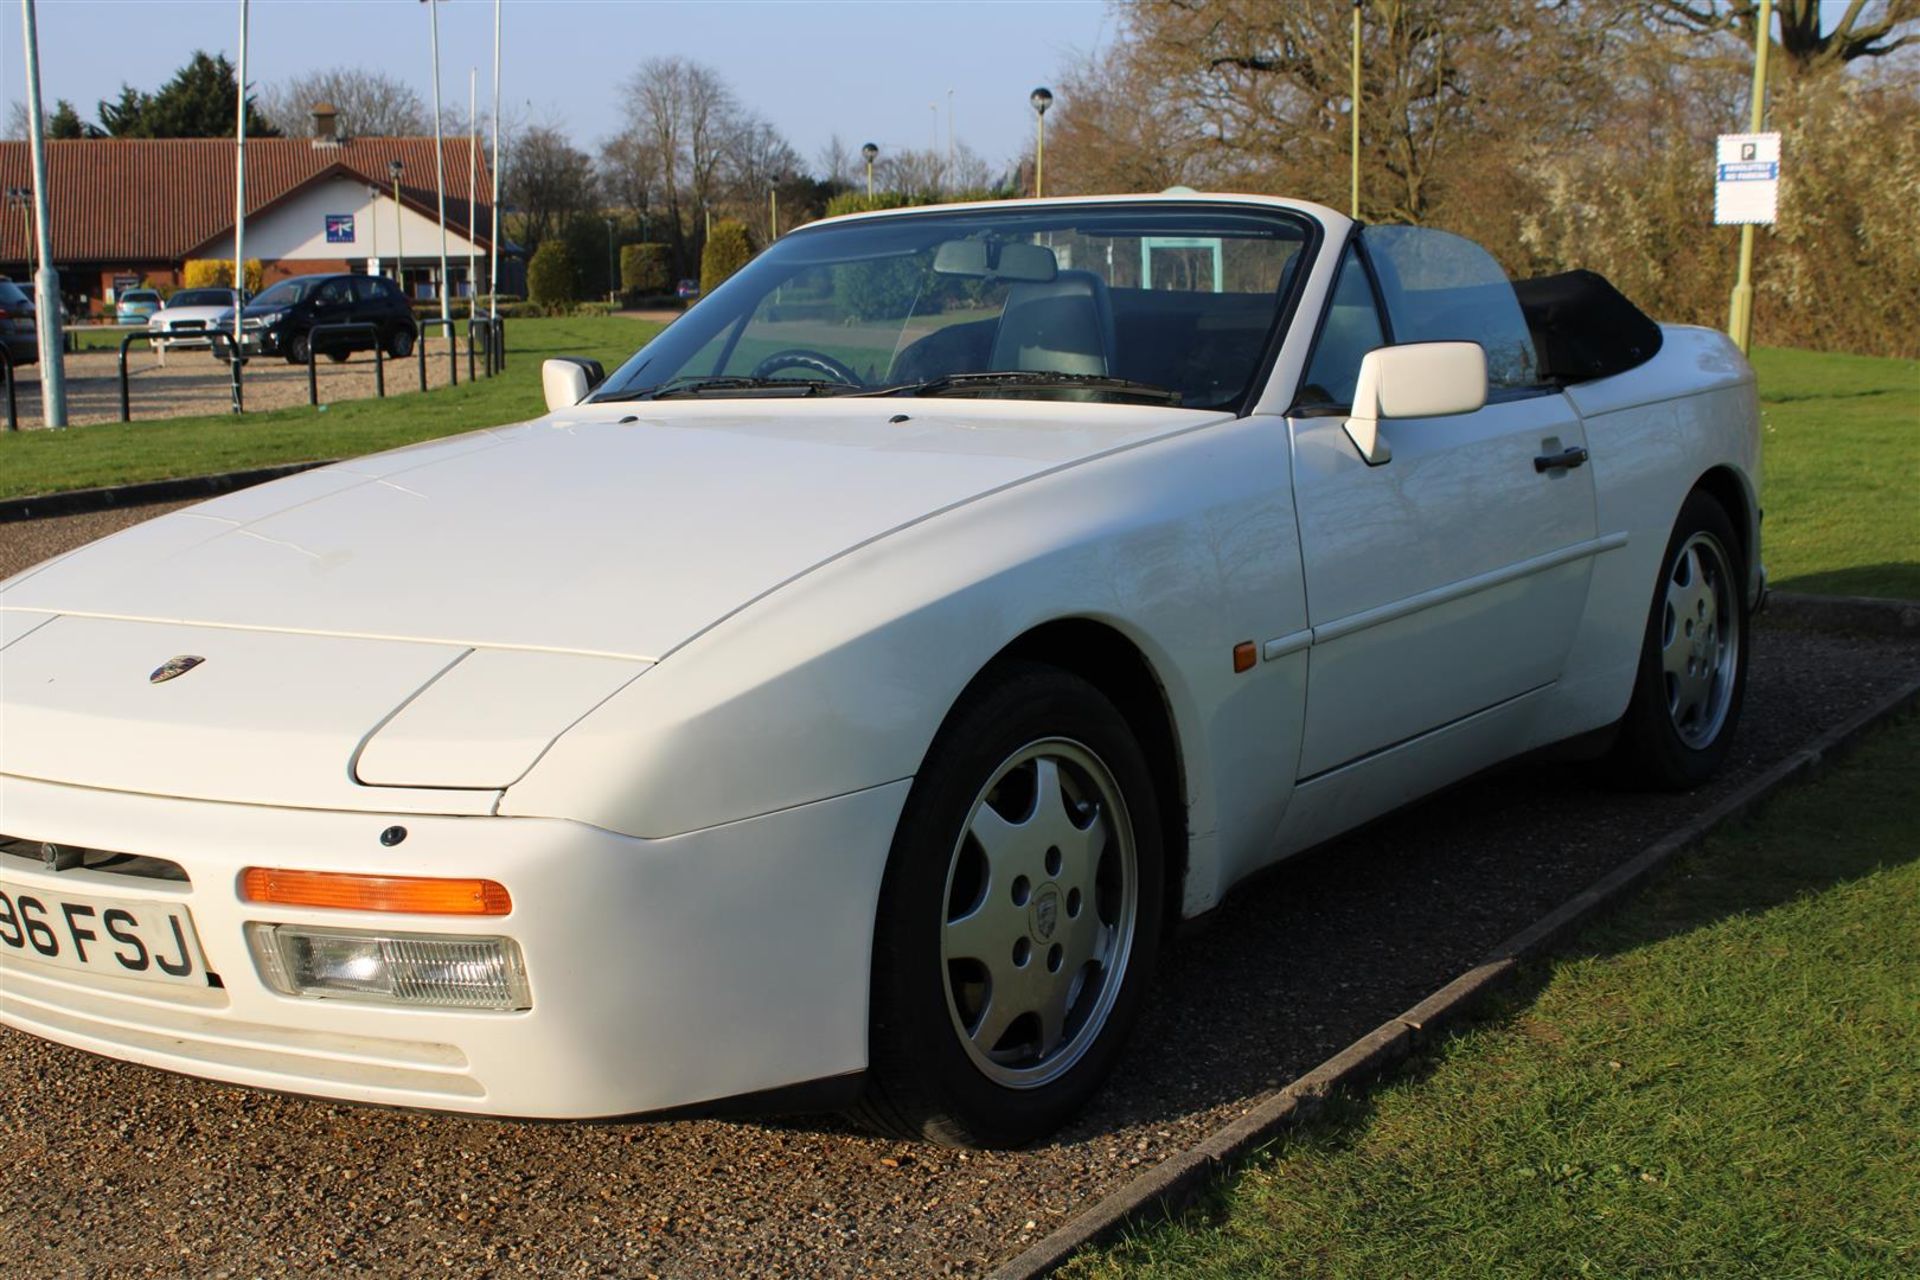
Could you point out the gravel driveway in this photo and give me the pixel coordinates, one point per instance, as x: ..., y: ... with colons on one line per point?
x: 193, y: 382
x: 118, y: 1170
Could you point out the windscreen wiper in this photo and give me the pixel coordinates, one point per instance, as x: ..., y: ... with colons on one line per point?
x: 963, y: 384
x: 728, y: 384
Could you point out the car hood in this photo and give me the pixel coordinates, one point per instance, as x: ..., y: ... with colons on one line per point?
x: 192, y: 313
x: 620, y: 530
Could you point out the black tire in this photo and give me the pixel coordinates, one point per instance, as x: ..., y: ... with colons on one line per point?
x: 1652, y: 750
x: 923, y: 1081
x: 400, y: 344
x: 300, y: 349
x: 340, y: 356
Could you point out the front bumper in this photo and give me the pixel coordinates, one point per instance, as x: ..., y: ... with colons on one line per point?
x: 664, y: 973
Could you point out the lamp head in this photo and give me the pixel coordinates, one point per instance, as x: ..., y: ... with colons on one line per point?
x: 1041, y: 98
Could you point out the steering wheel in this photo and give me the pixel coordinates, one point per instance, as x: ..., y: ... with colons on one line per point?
x: 812, y: 361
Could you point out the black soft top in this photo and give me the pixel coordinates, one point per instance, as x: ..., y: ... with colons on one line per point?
x: 1584, y: 328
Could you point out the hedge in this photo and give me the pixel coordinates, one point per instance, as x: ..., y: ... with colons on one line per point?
x: 553, y: 278
x: 643, y: 268
x: 213, y: 273
x: 727, y: 250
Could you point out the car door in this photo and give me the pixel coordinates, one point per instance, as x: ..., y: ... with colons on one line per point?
x: 1448, y: 581
x: 333, y: 304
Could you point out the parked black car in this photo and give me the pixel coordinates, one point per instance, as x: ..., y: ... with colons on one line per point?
x: 282, y: 319
x: 18, y: 323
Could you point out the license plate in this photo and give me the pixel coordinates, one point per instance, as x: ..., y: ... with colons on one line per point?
x: 151, y: 941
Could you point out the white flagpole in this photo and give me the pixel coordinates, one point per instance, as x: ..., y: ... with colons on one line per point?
x: 439, y: 162
x: 46, y: 281
x: 493, y: 244
x: 240, y: 183
x: 473, y: 192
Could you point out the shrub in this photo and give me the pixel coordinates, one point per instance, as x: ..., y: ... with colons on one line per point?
x: 727, y: 250
x: 861, y: 202
x: 211, y: 273
x: 553, y: 278
x: 643, y: 268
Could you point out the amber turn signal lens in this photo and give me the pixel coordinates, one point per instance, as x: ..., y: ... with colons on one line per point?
x: 1244, y: 656
x: 413, y: 895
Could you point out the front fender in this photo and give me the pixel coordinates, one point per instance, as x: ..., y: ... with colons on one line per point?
x: 838, y: 681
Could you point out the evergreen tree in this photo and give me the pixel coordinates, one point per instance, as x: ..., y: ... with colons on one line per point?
x: 196, y: 103
x: 65, y: 124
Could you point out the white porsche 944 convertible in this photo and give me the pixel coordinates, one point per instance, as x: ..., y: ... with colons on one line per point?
x: 839, y: 703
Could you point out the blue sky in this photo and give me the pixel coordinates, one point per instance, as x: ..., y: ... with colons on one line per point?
x: 867, y: 69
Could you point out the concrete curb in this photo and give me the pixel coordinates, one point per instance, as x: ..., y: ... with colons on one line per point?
x: 1177, y: 1181
x: 76, y: 502
x: 1845, y: 613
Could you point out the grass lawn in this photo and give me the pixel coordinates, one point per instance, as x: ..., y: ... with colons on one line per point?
x: 124, y: 453
x: 1721, y: 1080
x: 1842, y: 483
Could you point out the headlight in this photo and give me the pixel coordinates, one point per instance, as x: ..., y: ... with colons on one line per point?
x: 155, y: 322
x: 443, y: 971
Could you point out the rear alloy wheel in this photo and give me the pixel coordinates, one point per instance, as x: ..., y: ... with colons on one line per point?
x: 1693, y: 662
x: 400, y: 343
x: 1020, y: 916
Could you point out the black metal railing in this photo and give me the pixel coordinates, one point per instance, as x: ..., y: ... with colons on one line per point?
x: 126, y: 402
x: 359, y: 330
x: 224, y: 348
x: 13, y: 395
x: 493, y: 331
x: 453, y: 349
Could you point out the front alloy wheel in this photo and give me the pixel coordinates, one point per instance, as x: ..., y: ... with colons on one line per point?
x: 1042, y: 902
x: 1019, y: 917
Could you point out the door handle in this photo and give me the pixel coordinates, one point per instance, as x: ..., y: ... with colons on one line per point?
x: 1572, y: 456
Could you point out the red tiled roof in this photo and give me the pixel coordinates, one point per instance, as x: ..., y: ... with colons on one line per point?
x: 157, y: 200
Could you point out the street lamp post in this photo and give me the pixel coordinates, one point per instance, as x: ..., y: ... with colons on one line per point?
x: 439, y: 164
x: 1354, y: 203
x: 1041, y: 99
x: 1740, y: 317
x: 613, y: 270
x: 773, y: 208
x: 870, y: 151
x: 395, y: 168
x: 46, y: 282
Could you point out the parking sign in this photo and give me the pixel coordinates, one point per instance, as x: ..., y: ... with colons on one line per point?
x: 1746, y: 180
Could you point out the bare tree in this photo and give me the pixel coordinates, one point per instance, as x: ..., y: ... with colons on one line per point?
x: 550, y: 183
x: 688, y: 148
x: 837, y: 166
x: 1864, y: 29
x: 366, y: 103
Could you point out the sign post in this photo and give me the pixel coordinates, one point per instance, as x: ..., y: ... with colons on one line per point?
x: 1746, y: 188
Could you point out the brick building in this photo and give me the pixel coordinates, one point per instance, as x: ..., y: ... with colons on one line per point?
x: 130, y: 211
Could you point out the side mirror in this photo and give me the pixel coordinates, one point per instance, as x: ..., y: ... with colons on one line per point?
x: 1419, y: 380
x: 567, y: 380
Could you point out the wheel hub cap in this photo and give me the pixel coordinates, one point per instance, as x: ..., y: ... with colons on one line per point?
x: 1040, y: 910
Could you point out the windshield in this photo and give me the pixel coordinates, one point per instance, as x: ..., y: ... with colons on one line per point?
x: 202, y: 298
x: 139, y: 295
x: 284, y: 294
x: 12, y: 294
x: 1170, y: 303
